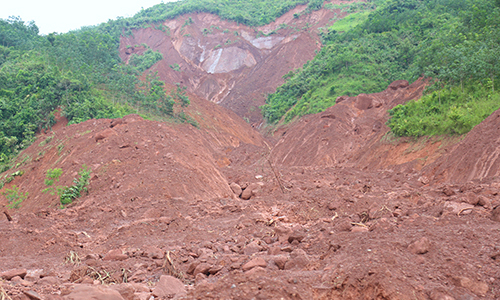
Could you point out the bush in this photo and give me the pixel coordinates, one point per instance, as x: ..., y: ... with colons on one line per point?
x: 14, y: 197
x: 67, y: 194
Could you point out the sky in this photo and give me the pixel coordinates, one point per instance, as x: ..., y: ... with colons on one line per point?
x: 62, y: 16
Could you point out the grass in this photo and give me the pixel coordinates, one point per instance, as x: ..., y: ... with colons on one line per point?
x: 350, y: 21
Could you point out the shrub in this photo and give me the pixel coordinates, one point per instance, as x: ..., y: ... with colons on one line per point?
x: 15, y: 197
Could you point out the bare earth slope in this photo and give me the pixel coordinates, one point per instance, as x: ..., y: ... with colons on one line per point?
x: 228, y: 63
x: 165, y: 216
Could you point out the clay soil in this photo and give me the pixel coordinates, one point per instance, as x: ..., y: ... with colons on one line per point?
x: 329, y: 207
x: 160, y: 202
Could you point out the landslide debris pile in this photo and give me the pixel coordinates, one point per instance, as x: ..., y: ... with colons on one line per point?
x: 165, y: 216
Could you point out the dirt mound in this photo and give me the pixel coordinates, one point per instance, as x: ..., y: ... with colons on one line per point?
x: 474, y: 158
x: 229, y: 63
x: 348, y: 133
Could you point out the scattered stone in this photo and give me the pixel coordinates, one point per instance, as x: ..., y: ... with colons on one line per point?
x: 116, y: 122
x: 169, y: 287
x: 251, y: 248
x: 296, y: 235
x: 32, y: 295
x: 280, y: 261
x: 106, y: 133
x: 420, y: 246
x: 8, y: 275
x: 459, y: 208
x: 423, y: 180
x: 477, y: 287
x: 448, y: 191
x: 49, y: 280
x: 250, y: 191
x: 215, y: 269
x: 495, y: 214
x: 256, y: 262
x: 154, y: 252
x: 126, y: 290
x: 298, y: 260
x: 95, y: 292
x: 440, y: 295
x: 116, y: 254
x: 202, y: 268
x: 359, y: 229
x: 236, y: 188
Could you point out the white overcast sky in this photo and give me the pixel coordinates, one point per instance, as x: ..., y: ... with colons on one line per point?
x: 64, y: 15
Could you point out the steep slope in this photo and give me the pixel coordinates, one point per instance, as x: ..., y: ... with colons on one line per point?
x: 475, y: 158
x: 228, y: 63
x: 348, y: 133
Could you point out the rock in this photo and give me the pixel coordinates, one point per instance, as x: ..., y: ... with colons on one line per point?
x: 8, y: 275
x: 423, y: 180
x: 169, y: 287
x: 298, y: 260
x: 236, y: 188
x: 459, y: 208
x: 116, y: 122
x: 398, y: 84
x: 192, y: 267
x: 154, y: 252
x: 280, y: 261
x: 359, y: 229
x: 495, y: 214
x: 32, y: 295
x: 84, y: 292
x: 106, y: 133
x: 49, y: 280
x: 252, y: 248
x: 126, y: 290
x: 116, y: 254
x: 296, y: 235
x: 341, y: 98
x: 202, y: 268
x: 249, y: 191
x: 477, y: 287
x: 448, y: 191
x: 420, y: 246
x: 440, y: 295
x: 256, y: 262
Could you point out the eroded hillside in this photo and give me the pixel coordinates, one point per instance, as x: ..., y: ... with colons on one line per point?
x: 231, y: 64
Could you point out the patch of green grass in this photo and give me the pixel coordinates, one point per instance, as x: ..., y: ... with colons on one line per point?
x: 350, y: 21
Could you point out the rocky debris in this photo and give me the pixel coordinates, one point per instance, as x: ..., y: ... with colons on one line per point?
x: 255, y: 262
x: 249, y: 191
x: 106, y: 133
x: 299, y: 260
x: 169, y: 287
x: 420, y: 246
x: 32, y: 295
x: 115, y: 254
x: 495, y: 214
x: 95, y: 292
x: 8, y: 275
x: 297, y: 235
x: 459, y: 208
x: 280, y: 261
x: 477, y: 287
x: 236, y: 188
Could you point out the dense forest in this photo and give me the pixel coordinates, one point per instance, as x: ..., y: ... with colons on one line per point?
x: 454, y: 42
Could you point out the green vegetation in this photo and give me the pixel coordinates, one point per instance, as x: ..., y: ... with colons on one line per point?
x: 456, y: 42
x: 68, y: 194
x: 14, y: 197
x: 52, y: 176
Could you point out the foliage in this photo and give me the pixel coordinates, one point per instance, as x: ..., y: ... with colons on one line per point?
x: 52, y: 176
x: 455, y: 42
x: 67, y: 194
x: 15, y: 197
x: 446, y: 111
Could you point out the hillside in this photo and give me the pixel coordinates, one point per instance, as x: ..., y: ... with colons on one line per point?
x: 137, y: 164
